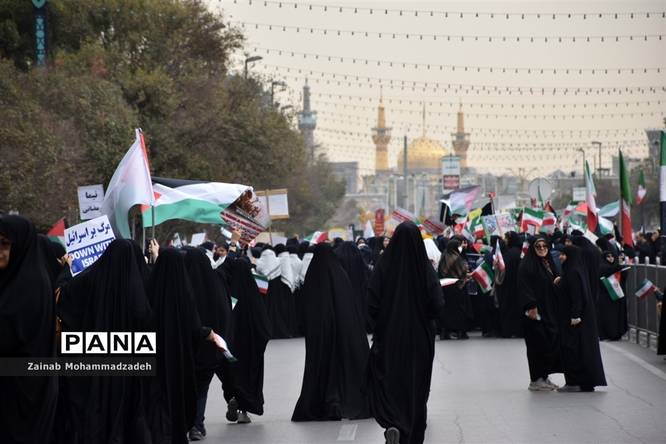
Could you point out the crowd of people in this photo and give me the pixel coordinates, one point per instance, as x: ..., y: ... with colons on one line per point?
x: 211, y: 319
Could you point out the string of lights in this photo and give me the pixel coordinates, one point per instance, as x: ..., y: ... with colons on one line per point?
x: 452, y: 37
x: 574, y: 71
x: 452, y: 14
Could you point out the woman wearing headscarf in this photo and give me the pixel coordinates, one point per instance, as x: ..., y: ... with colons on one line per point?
x: 457, y: 314
x: 27, y: 328
x: 611, y: 314
x: 581, y: 358
x: 350, y: 258
x: 404, y: 299
x: 214, y: 308
x: 511, y: 313
x: 173, y: 394
x: 251, y: 334
x: 537, y: 292
x: 108, y: 296
x: 591, y: 260
x: 336, y: 346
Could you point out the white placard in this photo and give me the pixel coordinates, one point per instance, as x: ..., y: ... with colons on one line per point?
x: 91, y: 198
x: 198, y: 239
x: 579, y: 194
x: 278, y: 203
x: 87, y: 241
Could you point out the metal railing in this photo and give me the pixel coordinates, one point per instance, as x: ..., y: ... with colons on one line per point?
x: 642, y: 315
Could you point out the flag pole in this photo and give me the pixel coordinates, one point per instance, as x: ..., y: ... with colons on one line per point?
x: 152, y: 214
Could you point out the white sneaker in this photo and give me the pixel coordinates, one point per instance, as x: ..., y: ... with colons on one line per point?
x: 539, y: 386
x: 552, y: 384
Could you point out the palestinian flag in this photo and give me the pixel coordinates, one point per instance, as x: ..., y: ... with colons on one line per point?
x: 262, y: 282
x: 605, y: 226
x: 642, y: 191
x: 481, y: 248
x: 610, y: 210
x: 625, y: 202
x: 498, y: 259
x: 57, y: 232
x: 483, y: 275
x: 460, y: 201
x: 196, y: 201
x: 613, y: 287
x: 645, y: 289
x: 531, y: 217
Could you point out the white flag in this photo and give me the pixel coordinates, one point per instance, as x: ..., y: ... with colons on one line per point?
x: 130, y: 185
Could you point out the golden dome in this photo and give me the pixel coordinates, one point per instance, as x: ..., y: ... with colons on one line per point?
x: 423, y: 154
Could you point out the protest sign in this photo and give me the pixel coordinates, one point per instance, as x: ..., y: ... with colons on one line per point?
x: 87, y: 241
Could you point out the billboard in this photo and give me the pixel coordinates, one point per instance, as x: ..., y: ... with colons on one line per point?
x: 450, y: 172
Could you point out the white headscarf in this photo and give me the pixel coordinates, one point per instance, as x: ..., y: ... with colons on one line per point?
x: 286, y: 271
x: 307, y: 258
x: 296, y: 265
x: 432, y: 251
x: 268, y: 264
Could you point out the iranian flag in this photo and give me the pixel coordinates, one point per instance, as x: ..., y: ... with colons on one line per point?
x: 625, y: 202
x: 476, y: 227
x: 262, y: 282
x: 613, y: 287
x: 483, y: 275
x: 645, y: 289
x: 642, y: 191
x: 531, y: 217
x: 57, y: 232
x: 317, y: 237
x: 498, y: 259
x: 590, y: 195
x: 129, y: 186
x: 549, y: 223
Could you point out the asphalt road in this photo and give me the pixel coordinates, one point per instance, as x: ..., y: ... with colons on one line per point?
x: 478, y: 395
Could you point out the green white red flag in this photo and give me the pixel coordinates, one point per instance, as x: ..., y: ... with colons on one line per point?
x: 590, y: 196
x: 498, y: 259
x: 613, y: 287
x: 262, y: 282
x: 483, y: 275
x: 645, y: 289
x: 642, y: 191
x: 625, y: 204
x: 531, y: 217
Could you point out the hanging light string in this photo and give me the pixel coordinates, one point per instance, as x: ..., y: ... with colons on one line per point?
x: 364, y: 82
x: 452, y: 37
x: 459, y: 68
x: 451, y: 14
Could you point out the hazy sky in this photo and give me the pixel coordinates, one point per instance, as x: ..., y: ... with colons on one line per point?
x: 507, y: 130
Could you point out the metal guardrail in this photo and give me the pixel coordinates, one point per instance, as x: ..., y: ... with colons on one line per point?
x: 642, y: 315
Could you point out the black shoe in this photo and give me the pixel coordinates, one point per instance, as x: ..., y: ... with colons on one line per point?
x: 392, y: 436
x: 195, y: 435
x: 232, y: 410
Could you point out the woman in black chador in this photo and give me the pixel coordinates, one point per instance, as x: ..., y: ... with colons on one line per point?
x: 251, y: 334
x: 336, y: 346
x: 458, y: 314
x: 581, y: 358
x: 611, y: 315
x: 536, y: 282
x: 108, y: 296
x: 511, y: 313
x: 27, y: 328
x: 354, y: 265
x: 173, y: 395
x: 404, y: 300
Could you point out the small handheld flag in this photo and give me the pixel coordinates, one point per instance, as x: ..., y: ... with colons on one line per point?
x: 498, y: 259
x: 613, y: 287
x: 645, y: 289
x: 483, y: 275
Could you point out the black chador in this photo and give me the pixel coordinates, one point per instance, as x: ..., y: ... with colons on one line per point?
x: 611, y: 314
x: 251, y: 334
x: 404, y: 300
x: 581, y: 357
x: 511, y: 311
x: 108, y: 296
x: 27, y: 328
x: 179, y: 332
x: 536, y: 283
x: 357, y: 271
x: 336, y: 346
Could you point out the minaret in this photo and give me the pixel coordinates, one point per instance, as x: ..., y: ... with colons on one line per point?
x: 461, y: 139
x: 307, y: 121
x: 381, y: 136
